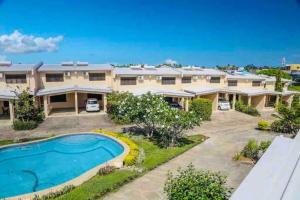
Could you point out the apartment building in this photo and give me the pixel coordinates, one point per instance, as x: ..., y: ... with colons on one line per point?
x: 64, y: 88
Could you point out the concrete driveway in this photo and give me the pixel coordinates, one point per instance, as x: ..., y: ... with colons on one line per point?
x: 228, y: 131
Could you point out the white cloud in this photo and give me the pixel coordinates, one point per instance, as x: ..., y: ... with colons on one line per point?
x: 170, y: 61
x: 20, y: 43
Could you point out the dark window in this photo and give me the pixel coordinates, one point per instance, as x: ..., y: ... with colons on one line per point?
x: 97, y: 76
x: 15, y: 78
x: 186, y: 80
x: 58, y: 98
x: 168, y: 80
x: 256, y: 83
x: 54, y: 77
x: 128, y: 80
x: 232, y: 82
x: 215, y: 79
x: 95, y: 96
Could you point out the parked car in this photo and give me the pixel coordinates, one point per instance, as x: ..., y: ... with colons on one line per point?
x: 223, y: 105
x: 175, y: 105
x: 92, y: 105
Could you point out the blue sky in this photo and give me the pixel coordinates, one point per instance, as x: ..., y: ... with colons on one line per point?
x: 201, y: 32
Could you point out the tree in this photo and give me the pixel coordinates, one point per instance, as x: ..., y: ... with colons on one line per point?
x: 191, y: 184
x: 288, y: 120
x: 173, y: 124
x: 26, y: 109
x: 278, y: 83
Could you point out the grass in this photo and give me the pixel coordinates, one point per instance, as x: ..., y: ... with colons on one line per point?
x: 6, y: 142
x: 98, y: 186
x: 294, y: 87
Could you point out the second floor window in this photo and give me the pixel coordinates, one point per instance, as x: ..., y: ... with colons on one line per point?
x: 215, y: 80
x: 256, y: 83
x: 186, y: 80
x: 15, y: 78
x: 128, y: 80
x: 54, y: 77
x: 232, y: 82
x: 97, y: 76
x: 168, y: 80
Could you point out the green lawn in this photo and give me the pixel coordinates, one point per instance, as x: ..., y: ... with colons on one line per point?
x: 294, y: 87
x: 6, y: 142
x: 154, y: 156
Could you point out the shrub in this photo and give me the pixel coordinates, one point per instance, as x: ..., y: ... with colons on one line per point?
x: 253, y: 150
x: 24, y: 125
x: 192, y: 184
x: 250, y: 110
x: 131, y: 158
x: 202, y: 107
x: 56, y: 194
x: 106, y: 170
x: 263, y: 125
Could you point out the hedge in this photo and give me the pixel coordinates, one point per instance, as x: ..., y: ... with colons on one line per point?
x: 250, y: 110
x: 202, y: 107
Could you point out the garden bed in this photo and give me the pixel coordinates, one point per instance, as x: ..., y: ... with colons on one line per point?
x: 98, y: 186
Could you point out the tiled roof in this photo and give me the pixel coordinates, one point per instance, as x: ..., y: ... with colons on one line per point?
x: 143, y: 71
x: 20, y: 67
x: 167, y: 92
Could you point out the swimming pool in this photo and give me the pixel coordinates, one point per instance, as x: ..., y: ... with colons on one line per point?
x: 40, y: 165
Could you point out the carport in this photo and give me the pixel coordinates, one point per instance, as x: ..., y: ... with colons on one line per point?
x: 207, y: 93
x: 70, y: 100
x: 176, y: 96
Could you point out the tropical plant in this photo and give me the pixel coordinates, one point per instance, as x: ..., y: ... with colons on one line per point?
x: 288, y: 120
x: 202, y: 107
x: 263, y: 125
x: 253, y: 150
x: 250, y: 110
x: 191, y: 184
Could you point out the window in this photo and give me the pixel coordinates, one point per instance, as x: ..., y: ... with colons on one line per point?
x: 256, y: 83
x: 95, y: 96
x: 54, y: 77
x: 15, y: 78
x: 128, y: 80
x: 97, y: 76
x: 186, y: 80
x: 168, y: 80
x: 215, y: 79
x: 232, y: 82
x: 58, y: 98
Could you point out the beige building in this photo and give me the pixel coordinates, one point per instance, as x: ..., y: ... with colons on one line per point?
x: 64, y: 88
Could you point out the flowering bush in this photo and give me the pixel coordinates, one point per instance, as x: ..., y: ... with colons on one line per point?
x: 193, y: 184
x: 131, y: 158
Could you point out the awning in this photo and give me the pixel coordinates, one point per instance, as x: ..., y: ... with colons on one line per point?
x: 74, y: 88
x: 164, y: 92
x: 202, y: 90
x: 276, y: 175
x: 7, y: 94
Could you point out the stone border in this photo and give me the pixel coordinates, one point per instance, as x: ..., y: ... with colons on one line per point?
x: 117, y: 162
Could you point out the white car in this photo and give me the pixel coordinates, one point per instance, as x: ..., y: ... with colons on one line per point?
x: 223, y: 105
x: 92, y: 105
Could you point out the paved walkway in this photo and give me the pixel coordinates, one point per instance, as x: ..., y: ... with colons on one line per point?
x: 228, y: 132
x: 61, y: 125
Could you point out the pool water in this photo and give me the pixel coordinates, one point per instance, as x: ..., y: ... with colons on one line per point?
x: 41, y: 165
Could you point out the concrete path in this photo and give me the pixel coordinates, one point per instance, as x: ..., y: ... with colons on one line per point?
x: 228, y: 132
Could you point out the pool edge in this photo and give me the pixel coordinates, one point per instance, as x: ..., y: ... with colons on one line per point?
x: 117, y: 162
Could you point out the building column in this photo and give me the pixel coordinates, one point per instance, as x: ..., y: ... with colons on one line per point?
x: 11, y: 111
x: 249, y: 100
x: 46, y: 111
x: 186, y: 106
x: 104, y: 103
x: 264, y: 101
x: 233, y: 101
x: 290, y: 101
x: 76, y: 103
x: 240, y: 97
x: 226, y: 96
x: 277, y: 100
